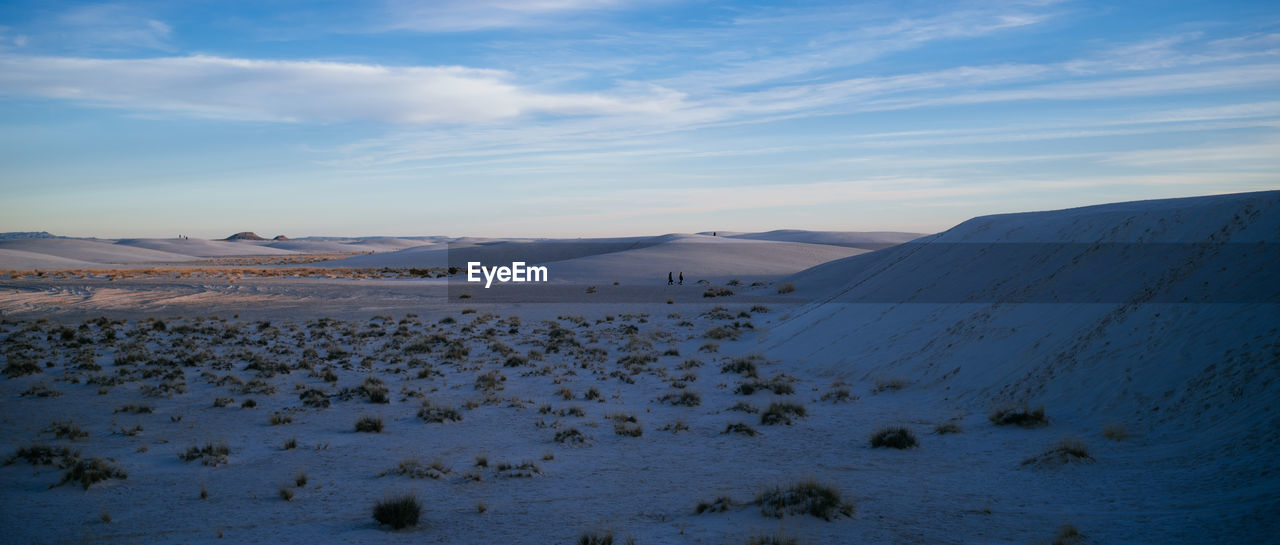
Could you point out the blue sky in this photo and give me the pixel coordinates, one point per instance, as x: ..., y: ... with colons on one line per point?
x: 613, y: 117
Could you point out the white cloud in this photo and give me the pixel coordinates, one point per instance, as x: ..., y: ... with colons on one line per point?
x: 468, y: 15
x: 109, y: 27
x: 273, y: 90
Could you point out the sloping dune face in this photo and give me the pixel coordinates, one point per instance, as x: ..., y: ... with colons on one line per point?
x: 87, y: 252
x: 1162, y: 315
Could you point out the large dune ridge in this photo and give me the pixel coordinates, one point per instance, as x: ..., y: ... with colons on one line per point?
x: 1091, y: 334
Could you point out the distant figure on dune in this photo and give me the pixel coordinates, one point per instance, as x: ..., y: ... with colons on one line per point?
x: 669, y: 280
x: 681, y: 278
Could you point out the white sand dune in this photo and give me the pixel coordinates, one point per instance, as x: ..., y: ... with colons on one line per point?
x: 353, y: 245
x: 497, y: 251
x: 206, y: 248
x: 1172, y: 338
x: 19, y: 260
x: 92, y: 252
x: 699, y: 257
x: 869, y: 240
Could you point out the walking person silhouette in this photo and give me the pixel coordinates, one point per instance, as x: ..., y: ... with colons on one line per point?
x: 681, y: 278
x: 669, y: 280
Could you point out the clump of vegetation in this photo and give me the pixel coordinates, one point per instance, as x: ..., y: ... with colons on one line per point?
x: 743, y: 406
x: 1067, y: 451
x: 596, y: 538
x: 785, y: 287
x: 807, y: 497
x: 286, y: 493
x: 775, y: 539
x: 491, y: 381
x: 44, y: 455
x: 779, y: 385
x: 369, y: 424
x: 279, y: 419
x: 899, y: 437
x: 745, y: 366
x: 720, y: 333
x: 741, y: 428
x: 398, y: 512
x: 946, y: 427
x: 838, y: 394
x: 211, y: 454
x: 675, y: 427
x: 375, y: 390
x: 1068, y: 535
x: 718, y: 505
x: 1019, y: 416
x: 314, y: 398
x: 220, y: 402
x: 40, y: 389
x: 417, y: 469
x: 435, y: 414
x: 66, y: 430
x: 135, y: 409
x: 686, y: 398
x: 1115, y: 432
x: 89, y: 471
x: 781, y: 413
x: 888, y: 385
x: 570, y: 436
x: 21, y: 367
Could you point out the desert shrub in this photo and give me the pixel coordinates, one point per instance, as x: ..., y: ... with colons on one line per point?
x: 593, y: 393
x: 369, y: 424
x: 786, y: 287
x: 248, y: 404
x: 743, y: 406
x: 774, y: 539
x: 21, y: 367
x: 628, y: 429
x: 300, y: 478
x: 91, y: 470
x: 398, y: 512
x: 375, y: 390
x: 807, y: 497
x: 1067, y: 450
x: 314, y: 398
x: 889, y: 385
x: 675, y: 427
x: 44, y: 455
x: 286, y: 493
x: 135, y: 409
x: 946, y: 427
x: 741, y: 428
x: 779, y: 385
x: 686, y: 398
x: 710, y: 348
x: 781, y: 413
x: 490, y: 381
x: 1067, y: 535
x: 66, y: 430
x: 837, y: 395
x: 222, y: 401
x: 1115, y: 432
x: 521, y: 470
x: 717, y: 292
x: 211, y: 454
x: 1019, y: 416
x: 899, y: 437
x: 570, y: 436
x: 721, y: 333
x: 435, y: 414
x: 291, y: 443
x: 40, y: 389
x: 565, y: 393
x: 417, y: 469
x: 718, y: 505
x: 745, y: 366
x: 515, y: 360
x: 279, y: 419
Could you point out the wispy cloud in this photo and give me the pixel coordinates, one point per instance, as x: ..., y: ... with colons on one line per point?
x: 102, y: 28
x: 314, y: 91
x: 468, y: 15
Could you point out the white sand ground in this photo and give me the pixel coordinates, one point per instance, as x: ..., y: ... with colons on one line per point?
x: 1192, y: 386
x: 872, y: 240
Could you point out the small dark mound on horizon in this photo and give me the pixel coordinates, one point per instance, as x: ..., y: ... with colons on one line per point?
x: 279, y: 238
x: 245, y: 235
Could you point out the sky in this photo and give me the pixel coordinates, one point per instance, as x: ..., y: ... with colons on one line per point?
x: 581, y: 118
